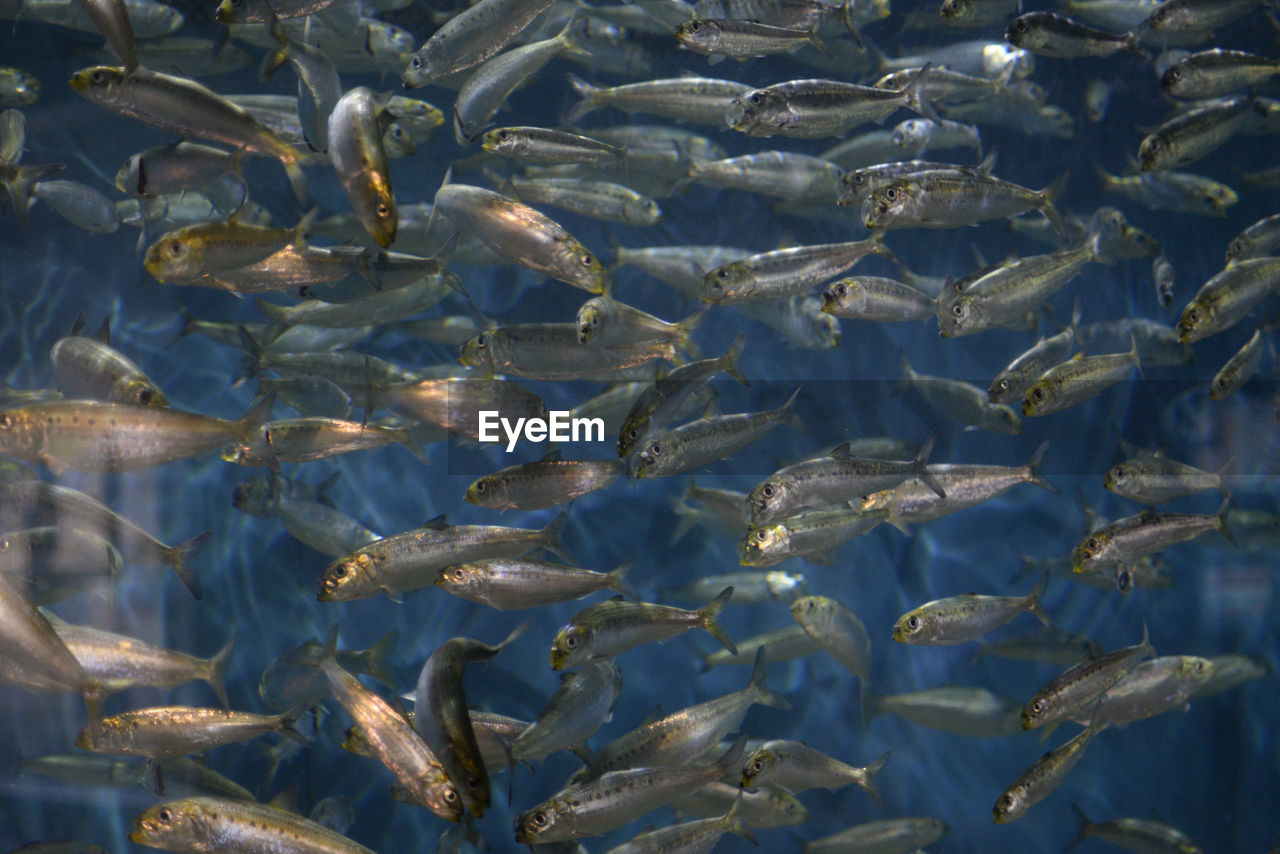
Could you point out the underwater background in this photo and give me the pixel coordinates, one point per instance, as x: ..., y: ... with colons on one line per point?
x: 1212, y: 770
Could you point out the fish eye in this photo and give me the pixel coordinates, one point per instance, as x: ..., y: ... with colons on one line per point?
x: 587, y: 260
x: 415, y: 62
x: 383, y: 211
x: 540, y: 819
x: 480, y: 486
x: 4, y: 545
x: 1037, y: 707
x: 481, y: 343
x: 694, y: 26
x: 98, y: 77
x: 1006, y: 802
x: 957, y: 310
x: 5, y: 422
x: 450, y: 796
x: 842, y: 289
x: 767, y: 491
x: 570, y: 641
x: 756, y: 98
x: 503, y: 134
x: 632, y: 434
x: 892, y: 194
x: 1037, y: 394
x: 1174, y: 74
x: 758, y: 765
x: 165, y: 815
x: 655, y: 449
x: 144, y: 396
x: 1020, y: 26
x: 913, y: 623
x: 761, y: 536
x: 339, y: 571
x: 175, y: 248
x: 1193, y: 316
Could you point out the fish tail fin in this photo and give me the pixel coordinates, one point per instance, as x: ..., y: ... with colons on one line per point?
x: 275, y: 59
x: 763, y: 695
x: 297, y: 180
x: 729, y: 361
x: 413, y: 446
x: 707, y: 617
x: 1033, y: 469
x: 276, y: 313
x: 867, y: 778
x: 1050, y: 209
x: 176, y: 558
x: 1085, y: 824
x: 685, y: 327
x: 1132, y: 42
x: 916, y: 98
x: 217, y: 673
x: 1133, y: 351
x: 551, y: 538
x: 286, y: 723
x: 375, y: 658
x: 733, y: 822
x: 251, y: 423
x: 250, y: 366
x: 588, y: 94
x: 303, y: 227
x: 1223, y: 509
x: 922, y: 459
x: 731, y: 761
x: 1145, y: 643
x: 821, y: 46
x: 684, y: 524
x: 1033, y: 601
x: 23, y: 183
x: 788, y: 410
x: 618, y: 580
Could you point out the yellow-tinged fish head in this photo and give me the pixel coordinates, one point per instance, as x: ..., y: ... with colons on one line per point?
x: 957, y: 317
x: 1117, y: 477
x: 464, y: 576
x: 770, y: 499
x: 232, y: 11
x: 138, y: 391
x: 1035, y: 712
x: 478, y: 351
x: 1090, y: 549
x: 954, y: 10
x: 590, y: 316
x: 349, y: 577
x: 814, y: 613
x: 765, y: 546
x: 578, y: 266
x: 886, y: 204
x: 504, y: 141
x: 748, y: 111
x: 486, y: 492
x: 1153, y: 151
x: 757, y: 766
x: 547, y: 822
x: 175, y: 256
x: 1009, y: 806
x: 911, y: 626
x: 660, y: 456
x: 111, y: 736
x: 1038, y: 397
x: 443, y: 799
x: 102, y: 83
x: 175, y: 826
x: 571, y: 647
x: 727, y: 282
x: 1193, y: 318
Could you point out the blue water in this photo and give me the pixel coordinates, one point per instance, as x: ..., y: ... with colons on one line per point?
x: 1213, y: 770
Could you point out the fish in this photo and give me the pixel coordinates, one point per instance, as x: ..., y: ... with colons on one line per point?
x: 595, y: 807
x: 469, y: 38
x: 190, y: 824
x: 958, y: 709
x: 892, y: 834
x: 1125, y: 540
x: 581, y: 705
x: 702, y: 442
x: 961, y: 619
x: 838, y: 631
x: 684, y: 99
x: 443, y: 719
x: 186, y: 107
x: 1052, y: 646
x: 965, y: 402
x: 196, y: 250
x: 813, y: 534
x: 521, y: 235
x: 392, y: 739
x: 718, y: 38
x: 29, y: 502
x: 510, y: 584
x: 294, y: 679
x: 603, y: 321
x: 1228, y: 297
x: 686, y: 735
x: 784, y: 272
x: 766, y: 807
x: 1154, y: 479
x: 1043, y: 778
x: 692, y: 835
x: 875, y: 298
x: 1261, y: 238
x: 1012, y: 383
x: 1153, y: 687
x: 1076, y: 380
x: 658, y: 404
x: 165, y: 731
x: 966, y: 485
x: 611, y: 628
x: 815, y: 109
x: 18, y: 88
x: 548, y: 146
x: 1080, y: 685
x: 796, y: 766
x: 413, y: 559
x: 1217, y: 72
x: 1051, y: 34
x: 354, y: 136
x: 1195, y: 133
x: 553, y: 351
x: 834, y: 478
x: 1136, y: 833
x: 120, y: 662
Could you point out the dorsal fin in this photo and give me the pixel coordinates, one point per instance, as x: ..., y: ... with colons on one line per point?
x: 77, y: 326
x: 436, y: 523
x: 841, y: 452
x: 103, y: 335
x: 555, y: 455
